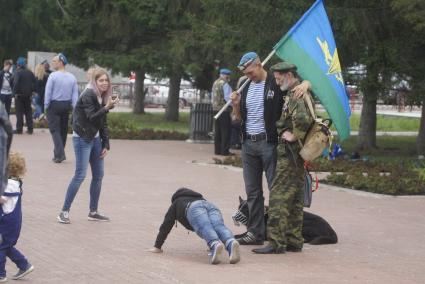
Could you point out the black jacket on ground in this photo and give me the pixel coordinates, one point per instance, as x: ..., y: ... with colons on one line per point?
x: 23, y: 82
x: 273, y: 103
x: 177, y: 212
x: 89, y: 117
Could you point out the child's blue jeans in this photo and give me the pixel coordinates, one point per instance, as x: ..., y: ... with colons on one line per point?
x: 207, y: 221
x: 15, y: 256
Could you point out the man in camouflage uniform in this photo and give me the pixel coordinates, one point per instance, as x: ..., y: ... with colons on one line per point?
x: 284, y: 226
x: 221, y: 92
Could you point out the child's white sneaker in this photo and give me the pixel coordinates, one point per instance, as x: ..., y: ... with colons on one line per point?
x: 23, y: 272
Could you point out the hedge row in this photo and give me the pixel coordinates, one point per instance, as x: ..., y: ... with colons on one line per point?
x: 395, y: 177
x: 129, y: 132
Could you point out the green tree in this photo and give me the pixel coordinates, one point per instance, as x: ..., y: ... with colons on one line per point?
x: 366, y: 35
x: 410, y: 51
x: 122, y: 35
x: 24, y: 24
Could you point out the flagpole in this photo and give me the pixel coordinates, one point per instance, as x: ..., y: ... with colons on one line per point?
x: 243, y: 86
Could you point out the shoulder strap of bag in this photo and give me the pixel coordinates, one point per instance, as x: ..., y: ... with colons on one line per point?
x: 310, y: 106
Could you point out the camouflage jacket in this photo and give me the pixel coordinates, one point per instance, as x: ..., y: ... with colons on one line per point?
x: 295, y: 117
x: 218, y: 94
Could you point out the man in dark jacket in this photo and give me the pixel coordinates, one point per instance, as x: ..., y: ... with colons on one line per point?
x: 23, y: 88
x: 196, y: 214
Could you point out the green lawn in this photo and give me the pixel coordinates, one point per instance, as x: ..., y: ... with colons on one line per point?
x: 386, y: 122
x: 388, y: 146
x: 155, y: 121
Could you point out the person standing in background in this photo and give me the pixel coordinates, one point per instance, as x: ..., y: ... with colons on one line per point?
x: 221, y: 92
x: 40, y: 87
x: 23, y: 89
x: 6, y: 85
x: 60, y: 96
x: 46, y: 66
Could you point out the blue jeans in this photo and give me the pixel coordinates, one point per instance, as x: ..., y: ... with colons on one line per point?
x: 7, y: 101
x: 86, y: 153
x: 38, y: 108
x: 205, y: 218
x: 15, y: 256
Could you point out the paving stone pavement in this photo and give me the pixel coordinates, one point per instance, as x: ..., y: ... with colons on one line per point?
x: 380, y: 237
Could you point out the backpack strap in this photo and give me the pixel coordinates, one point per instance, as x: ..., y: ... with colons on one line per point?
x: 310, y: 107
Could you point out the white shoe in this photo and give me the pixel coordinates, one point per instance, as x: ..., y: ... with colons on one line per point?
x: 216, y: 252
x: 234, y: 253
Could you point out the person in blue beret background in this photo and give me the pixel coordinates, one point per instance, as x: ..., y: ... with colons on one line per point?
x: 221, y: 92
x: 60, y: 97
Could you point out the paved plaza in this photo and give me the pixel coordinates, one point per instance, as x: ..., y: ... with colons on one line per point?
x: 381, y: 238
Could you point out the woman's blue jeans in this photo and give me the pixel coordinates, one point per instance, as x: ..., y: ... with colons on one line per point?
x: 207, y: 221
x: 85, y: 153
x: 38, y: 108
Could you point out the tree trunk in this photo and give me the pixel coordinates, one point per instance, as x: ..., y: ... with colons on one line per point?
x: 367, y: 130
x: 420, y: 142
x: 202, y: 94
x: 172, y: 112
x: 139, y: 92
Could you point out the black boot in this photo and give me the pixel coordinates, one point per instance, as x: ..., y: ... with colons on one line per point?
x: 269, y: 249
x: 293, y: 248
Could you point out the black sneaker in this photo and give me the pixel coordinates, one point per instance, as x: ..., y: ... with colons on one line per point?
x: 22, y: 273
x: 249, y: 240
x: 59, y: 160
x: 94, y: 216
x: 240, y: 236
x: 64, y: 217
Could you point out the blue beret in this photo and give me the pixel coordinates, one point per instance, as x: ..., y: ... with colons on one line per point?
x: 62, y: 58
x: 225, y: 71
x: 21, y: 61
x: 247, y: 59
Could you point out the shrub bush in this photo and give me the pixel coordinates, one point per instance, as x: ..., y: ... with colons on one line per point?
x: 119, y: 129
x: 393, y: 177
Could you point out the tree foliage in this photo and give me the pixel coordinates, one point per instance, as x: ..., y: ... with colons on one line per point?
x: 191, y: 39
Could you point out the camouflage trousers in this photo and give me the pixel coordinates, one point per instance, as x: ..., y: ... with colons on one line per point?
x: 284, y: 226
